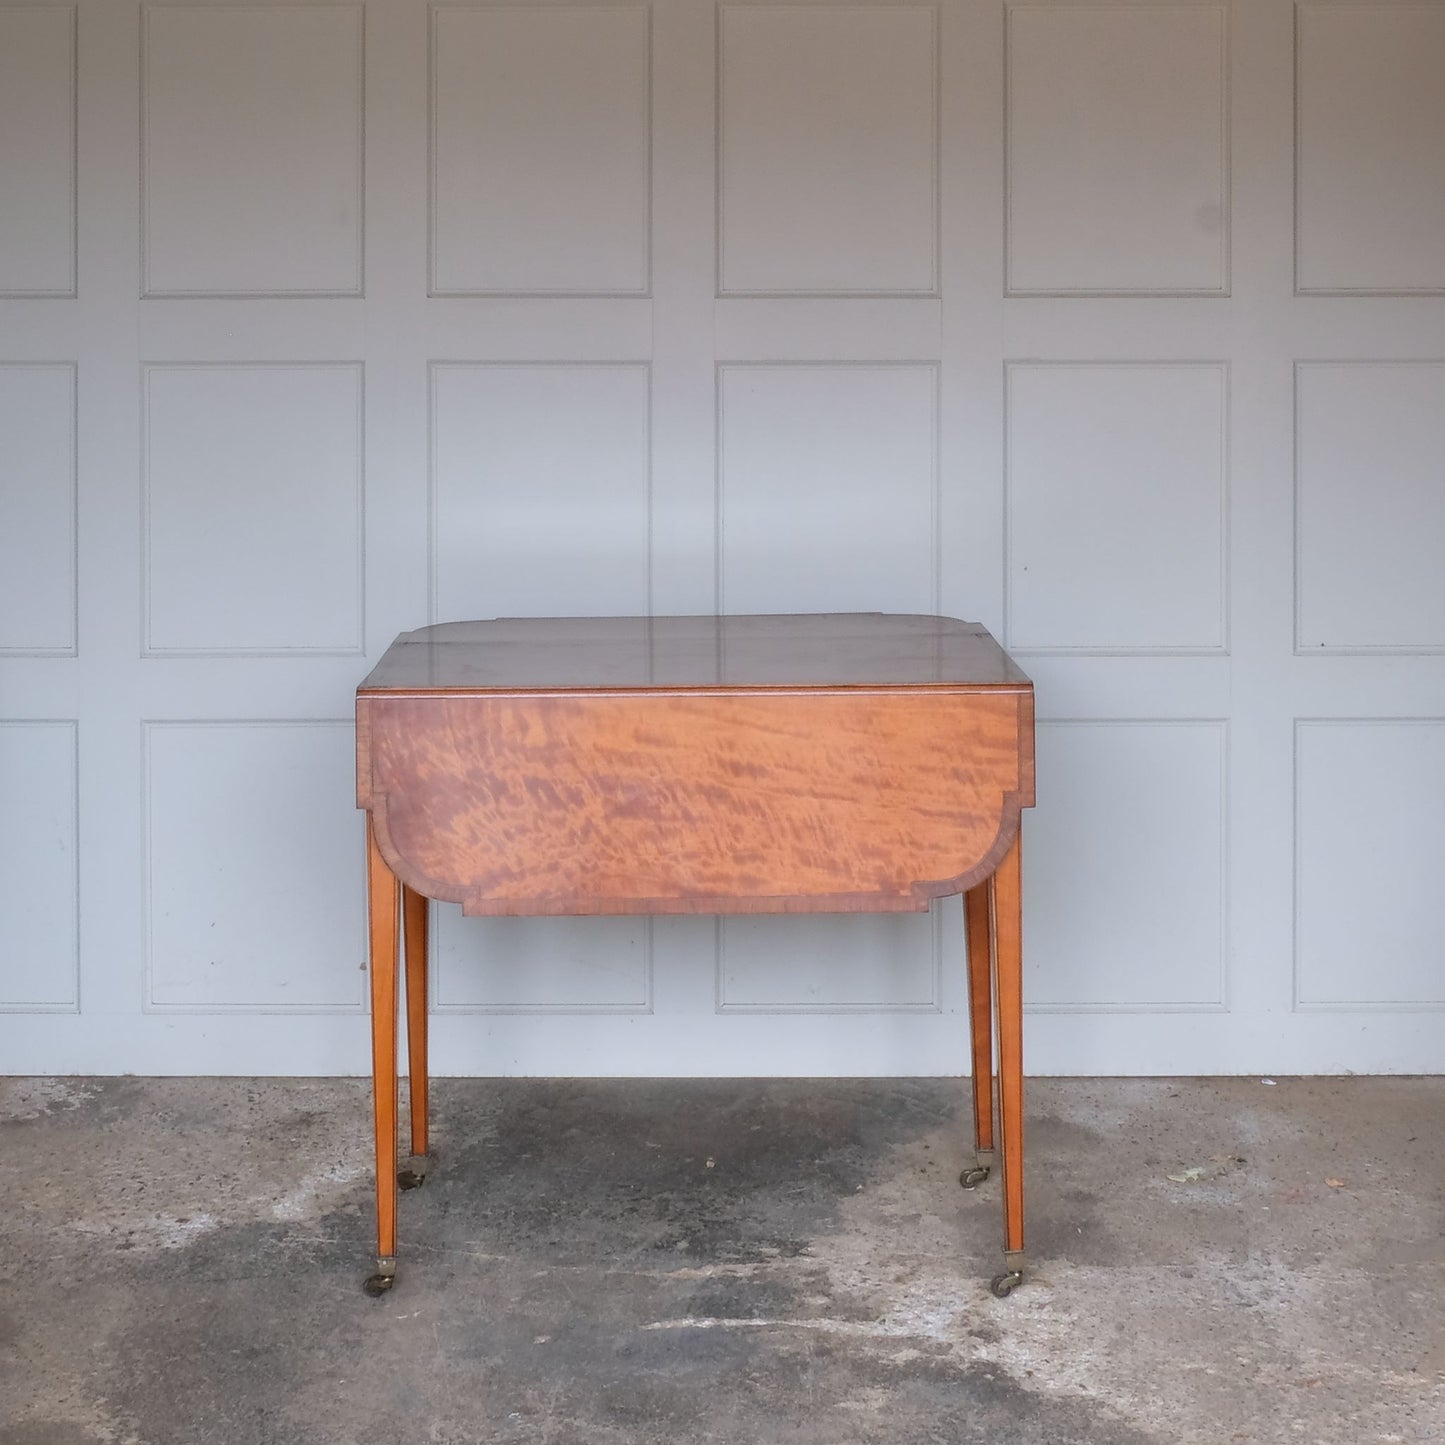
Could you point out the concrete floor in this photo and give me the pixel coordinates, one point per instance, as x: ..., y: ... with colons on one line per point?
x: 731, y: 1262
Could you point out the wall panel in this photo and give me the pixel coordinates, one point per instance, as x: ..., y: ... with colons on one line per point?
x: 1116, y: 487
x: 1369, y: 826
x: 38, y: 538
x: 1101, y: 202
x: 37, y: 150
x: 253, y: 502
x: 1125, y: 867
x: 39, y: 879
x: 541, y: 490
x: 1369, y: 437
x: 541, y: 150
x: 252, y: 150
x: 827, y: 488
x: 541, y: 498
x: 827, y: 150
x: 1370, y: 132
x: 254, y: 867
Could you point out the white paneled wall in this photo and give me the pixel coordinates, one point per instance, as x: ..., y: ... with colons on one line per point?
x: 1118, y: 327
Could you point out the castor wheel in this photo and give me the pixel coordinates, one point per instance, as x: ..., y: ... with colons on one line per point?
x: 972, y: 1178
x: 411, y: 1178
x: 379, y: 1283
x: 1001, y: 1286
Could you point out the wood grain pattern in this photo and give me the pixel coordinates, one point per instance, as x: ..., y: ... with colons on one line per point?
x: 727, y: 802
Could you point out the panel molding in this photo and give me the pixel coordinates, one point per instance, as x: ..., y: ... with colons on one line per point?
x: 1301, y: 7
x: 642, y: 1008
x: 150, y: 368
x: 1298, y: 1003
x: 149, y: 728
x: 68, y: 293
x: 935, y: 543
x: 1226, y: 192
x: 1222, y: 1003
x: 1220, y: 649
x: 148, y: 292
x: 644, y: 292
x: 436, y: 366
x: 73, y: 650
x: 1373, y: 649
x: 931, y: 1005
x: 931, y: 292
x: 72, y: 1005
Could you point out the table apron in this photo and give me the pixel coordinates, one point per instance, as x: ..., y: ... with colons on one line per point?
x: 835, y: 800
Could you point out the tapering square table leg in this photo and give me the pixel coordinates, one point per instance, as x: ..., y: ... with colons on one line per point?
x: 978, y: 930
x: 414, y: 927
x: 1008, y: 1000
x: 383, y: 898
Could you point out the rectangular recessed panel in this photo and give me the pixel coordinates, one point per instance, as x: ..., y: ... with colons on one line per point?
x: 1370, y: 439
x: 540, y: 500
x: 253, y: 508
x: 1369, y: 837
x: 827, y: 149
x: 1370, y: 137
x: 1115, y: 500
x: 39, y: 960
x: 542, y: 965
x: 254, y: 866
x: 540, y: 150
x: 540, y: 478
x: 37, y: 150
x: 252, y: 150
x: 37, y: 518
x: 830, y: 963
x: 827, y: 488
x: 1117, y: 146
x: 1124, y: 882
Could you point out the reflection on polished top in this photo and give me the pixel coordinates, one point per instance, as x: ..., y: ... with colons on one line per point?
x: 566, y: 654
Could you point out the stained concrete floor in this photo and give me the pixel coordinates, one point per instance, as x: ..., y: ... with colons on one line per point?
x: 729, y: 1262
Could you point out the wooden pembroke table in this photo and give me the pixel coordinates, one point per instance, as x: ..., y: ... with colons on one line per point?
x: 790, y: 764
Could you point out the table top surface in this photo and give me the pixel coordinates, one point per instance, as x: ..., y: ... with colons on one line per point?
x: 792, y: 651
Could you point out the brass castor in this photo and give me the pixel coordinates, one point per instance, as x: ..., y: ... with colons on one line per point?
x: 1001, y: 1286
x: 972, y: 1178
x: 379, y: 1283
